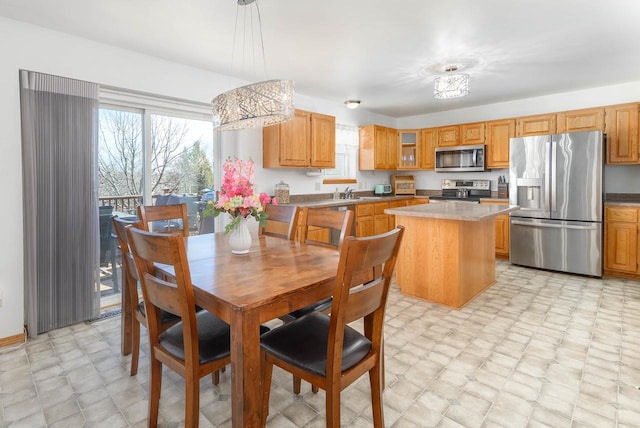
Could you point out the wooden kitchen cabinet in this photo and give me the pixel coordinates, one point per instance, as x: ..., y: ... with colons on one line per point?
x: 472, y: 133
x: 417, y: 201
x: 395, y: 204
x: 378, y: 148
x: 502, y: 231
x: 408, y: 142
x: 498, y: 133
x: 364, y: 220
x: 590, y: 119
x: 621, y: 241
x: 449, y: 136
x: 380, y: 219
x: 307, y: 140
x: 426, y: 147
x: 536, y: 125
x: 621, y: 127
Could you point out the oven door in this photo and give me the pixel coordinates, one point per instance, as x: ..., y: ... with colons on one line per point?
x: 460, y: 158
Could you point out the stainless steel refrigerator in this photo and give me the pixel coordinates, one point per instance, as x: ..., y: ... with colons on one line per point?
x: 557, y: 182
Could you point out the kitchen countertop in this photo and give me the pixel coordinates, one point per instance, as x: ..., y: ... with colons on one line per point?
x: 372, y: 199
x: 453, y: 211
x: 631, y: 199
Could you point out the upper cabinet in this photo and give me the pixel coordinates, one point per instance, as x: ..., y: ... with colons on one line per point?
x: 472, y: 133
x: 498, y: 134
x: 426, y: 147
x: 591, y: 119
x: 378, y: 148
x: 307, y: 140
x: 408, y: 141
x: 621, y: 127
x: 449, y: 136
x: 536, y: 125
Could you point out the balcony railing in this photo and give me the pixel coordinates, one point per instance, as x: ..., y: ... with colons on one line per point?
x: 124, y: 204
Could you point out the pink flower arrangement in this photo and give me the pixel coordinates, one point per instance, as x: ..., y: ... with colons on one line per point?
x: 236, y: 197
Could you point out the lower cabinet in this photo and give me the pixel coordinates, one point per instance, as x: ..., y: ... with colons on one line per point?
x: 372, y: 220
x: 502, y: 232
x: 621, y: 244
x: 364, y: 220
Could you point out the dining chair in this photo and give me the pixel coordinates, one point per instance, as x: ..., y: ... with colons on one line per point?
x: 196, y: 346
x: 130, y: 285
x: 165, y: 218
x: 282, y: 221
x: 323, y: 349
x: 338, y: 225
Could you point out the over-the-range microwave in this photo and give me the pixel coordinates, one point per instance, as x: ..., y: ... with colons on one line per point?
x: 460, y: 158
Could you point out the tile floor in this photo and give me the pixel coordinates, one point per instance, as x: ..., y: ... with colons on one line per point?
x: 536, y: 349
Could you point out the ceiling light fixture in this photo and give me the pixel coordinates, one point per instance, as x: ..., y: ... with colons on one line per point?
x: 451, y: 85
x: 351, y: 104
x: 255, y: 105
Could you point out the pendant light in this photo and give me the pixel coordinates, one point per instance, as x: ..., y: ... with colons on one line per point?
x: 255, y: 105
x: 451, y: 85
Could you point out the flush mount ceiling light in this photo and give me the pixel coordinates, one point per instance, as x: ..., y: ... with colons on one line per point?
x: 351, y: 104
x: 451, y: 85
x: 258, y: 104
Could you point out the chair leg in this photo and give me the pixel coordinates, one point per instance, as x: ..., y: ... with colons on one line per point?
x: 155, y: 387
x: 297, y: 383
x: 375, y: 379
x: 333, y: 406
x: 135, y: 345
x: 314, y: 389
x: 192, y: 406
x: 267, y: 371
x: 215, y: 377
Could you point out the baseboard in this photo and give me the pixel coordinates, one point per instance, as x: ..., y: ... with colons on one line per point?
x: 12, y: 340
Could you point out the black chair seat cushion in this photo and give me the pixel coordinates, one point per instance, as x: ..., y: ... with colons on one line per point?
x: 214, y: 338
x: 164, y: 315
x: 303, y: 344
x: 320, y: 306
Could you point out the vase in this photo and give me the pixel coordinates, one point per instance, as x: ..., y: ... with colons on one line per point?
x: 240, y: 238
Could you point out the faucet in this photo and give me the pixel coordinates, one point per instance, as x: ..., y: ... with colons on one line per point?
x: 347, y: 193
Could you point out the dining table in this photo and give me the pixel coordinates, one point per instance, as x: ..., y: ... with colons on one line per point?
x: 276, y: 277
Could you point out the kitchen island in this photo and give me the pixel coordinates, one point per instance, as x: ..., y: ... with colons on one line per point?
x: 448, y: 250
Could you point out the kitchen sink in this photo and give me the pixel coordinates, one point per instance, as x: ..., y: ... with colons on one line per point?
x: 370, y: 198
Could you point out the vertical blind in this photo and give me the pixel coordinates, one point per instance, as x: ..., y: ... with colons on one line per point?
x: 59, y: 144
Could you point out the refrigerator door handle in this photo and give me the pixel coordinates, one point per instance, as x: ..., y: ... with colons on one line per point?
x: 556, y: 226
x: 552, y: 182
x: 547, y: 172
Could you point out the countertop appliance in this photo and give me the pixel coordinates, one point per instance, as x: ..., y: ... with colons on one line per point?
x: 557, y: 182
x: 460, y: 158
x: 461, y: 190
x: 383, y: 190
x: 403, y: 184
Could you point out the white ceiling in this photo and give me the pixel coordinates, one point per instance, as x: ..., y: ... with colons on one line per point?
x: 383, y: 52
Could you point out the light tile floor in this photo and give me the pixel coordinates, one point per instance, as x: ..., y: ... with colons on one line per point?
x: 536, y: 349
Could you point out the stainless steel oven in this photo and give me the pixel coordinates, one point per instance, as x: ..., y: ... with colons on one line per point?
x: 460, y: 158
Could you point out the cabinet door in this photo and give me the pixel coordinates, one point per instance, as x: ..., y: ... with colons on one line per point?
x: 449, y: 136
x: 294, y: 140
x: 472, y: 133
x: 536, y: 125
x: 621, y: 127
x: 323, y: 141
x: 364, y: 226
x: 408, y: 142
x: 366, y: 148
x: 391, y: 219
x: 621, y: 246
x: 380, y: 147
x: 498, y: 134
x: 502, y: 236
x: 381, y: 224
x: 392, y: 148
x: 426, y: 147
x: 591, y: 119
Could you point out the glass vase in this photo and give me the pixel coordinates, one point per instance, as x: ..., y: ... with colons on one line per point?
x: 240, y: 238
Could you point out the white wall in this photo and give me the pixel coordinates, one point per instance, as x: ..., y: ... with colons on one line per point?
x: 34, y: 48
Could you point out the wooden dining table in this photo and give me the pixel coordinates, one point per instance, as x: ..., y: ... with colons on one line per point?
x: 276, y: 277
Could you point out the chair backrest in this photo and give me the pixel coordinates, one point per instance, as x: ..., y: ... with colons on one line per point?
x: 282, y: 221
x: 354, y: 299
x: 176, y: 297
x: 120, y: 227
x: 338, y: 224
x: 165, y: 218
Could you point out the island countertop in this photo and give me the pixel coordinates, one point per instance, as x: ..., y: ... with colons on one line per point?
x: 453, y: 211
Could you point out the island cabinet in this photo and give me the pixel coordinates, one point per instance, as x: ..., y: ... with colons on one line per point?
x: 498, y: 133
x: 378, y: 148
x: 591, y: 119
x: 307, y: 140
x: 426, y: 147
x: 621, y: 241
x: 449, y: 136
x: 621, y: 127
x: 502, y: 232
x: 472, y: 133
x: 536, y: 125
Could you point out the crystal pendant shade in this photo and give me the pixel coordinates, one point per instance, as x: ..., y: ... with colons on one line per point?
x: 451, y: 86
x: 255, y: 105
